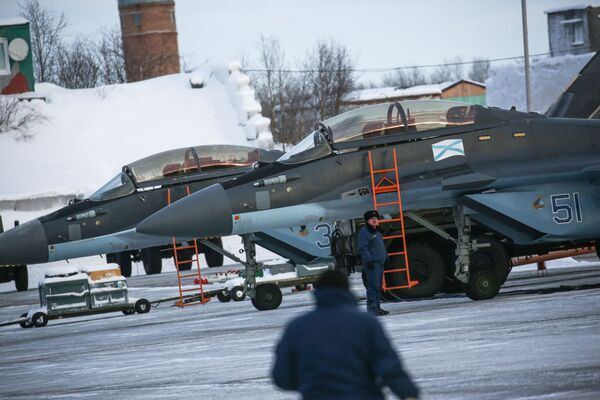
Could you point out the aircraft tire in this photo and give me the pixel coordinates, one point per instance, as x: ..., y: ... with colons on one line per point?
x: 237, y: 293
x: 152, y: 260
x: 483, y: 285
x: 426, y: 266
x: 124, y: 261
x: 268, y: 297
x: 224, y: 297
x: 128, y: 311
x: 494, y: 258
x: 21, y: 278
x: 25, y: 324
x: 186, y: 255
x: 213, y: 258
x: 39, y: 319
x: 142, y: 306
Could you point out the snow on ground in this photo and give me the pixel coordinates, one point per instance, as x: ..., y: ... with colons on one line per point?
x: 549, y: 77
x: 91, y: 133
x: 520, y: 345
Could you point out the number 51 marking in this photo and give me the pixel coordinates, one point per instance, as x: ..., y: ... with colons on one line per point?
x: 564, y: 207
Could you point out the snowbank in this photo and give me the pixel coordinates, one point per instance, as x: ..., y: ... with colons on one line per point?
x: 92, y: 133
x: 549, y: 78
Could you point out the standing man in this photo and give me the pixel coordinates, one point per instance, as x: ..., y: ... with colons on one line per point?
x: 338, y: 352
x: 374, y: 255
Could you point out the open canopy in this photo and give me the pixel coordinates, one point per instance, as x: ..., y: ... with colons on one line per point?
x: 193, y: 160
x: 180, y: 162
x: 383, y: 119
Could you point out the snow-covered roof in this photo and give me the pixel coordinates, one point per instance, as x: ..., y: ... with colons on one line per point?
x: 13, y: 21
x: 549, y: 78
x: 393, y: 92
x: 91, y: 133
x: 567, y: 8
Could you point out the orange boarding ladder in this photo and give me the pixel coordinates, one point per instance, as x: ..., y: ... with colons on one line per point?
x: 195, y: 294
x: 383, y: 185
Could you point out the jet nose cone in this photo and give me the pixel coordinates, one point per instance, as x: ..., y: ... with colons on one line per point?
x: 24, y: 244
x: 203, y: 213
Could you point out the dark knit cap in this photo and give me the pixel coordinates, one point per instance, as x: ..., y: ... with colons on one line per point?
x: 370, y: 214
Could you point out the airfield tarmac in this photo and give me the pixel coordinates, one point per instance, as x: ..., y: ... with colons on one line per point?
x: 535, y: 340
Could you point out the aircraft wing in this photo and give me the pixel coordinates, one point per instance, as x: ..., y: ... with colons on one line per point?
x: 581, y: 99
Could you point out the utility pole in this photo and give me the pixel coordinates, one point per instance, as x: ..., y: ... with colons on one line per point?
x: 526, y: 49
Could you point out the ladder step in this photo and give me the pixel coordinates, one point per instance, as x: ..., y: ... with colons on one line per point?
x: 189, y: 276
x: 386, y: 189
x: 389, y: 203
x: 192, y: 290
x: 396, y: 253
x: 392, y: 237
x: 389, y: 271
x: 185, y: 262
x: 380, y: 171
x: 386, y: 221
x: 185, y: 247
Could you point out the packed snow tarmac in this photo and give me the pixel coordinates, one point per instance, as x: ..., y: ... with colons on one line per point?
x: 525, y: 344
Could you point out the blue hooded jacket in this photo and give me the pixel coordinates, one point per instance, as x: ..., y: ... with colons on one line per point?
x: 338, y: 352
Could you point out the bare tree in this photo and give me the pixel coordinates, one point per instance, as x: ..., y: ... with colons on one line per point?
x: 18, y: 116
x: 110, y: 57
x: 46, y: 30
x: 141, y: 62
x: 404, y: 78
x: 80, y: 67
x: 452, y: 70
x: 330, y: 77
x: 480, y: 70
x: 269, y: 83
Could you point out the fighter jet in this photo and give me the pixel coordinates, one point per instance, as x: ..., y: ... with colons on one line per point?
x: 103, y: 223
x: 478, y: 185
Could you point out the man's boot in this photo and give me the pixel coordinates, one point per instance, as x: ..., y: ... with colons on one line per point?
x: 380, y: 312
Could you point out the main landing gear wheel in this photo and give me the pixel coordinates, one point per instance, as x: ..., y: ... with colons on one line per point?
x: 493, y: 258
x: 213, y: 258
x: 268, y: 297
x: 39, y: 319
x: 426, y: 267
x: 25, y: 324
x: 237, y: 293
x: 186, y: 255
x: 152, y: 260
x: 21, y: 278
x: 121, y: 259
x: 142, y: 306
x: 224, y: 297
x: 483, y: 285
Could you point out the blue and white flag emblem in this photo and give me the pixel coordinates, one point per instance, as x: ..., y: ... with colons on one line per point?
x: 447, y: 148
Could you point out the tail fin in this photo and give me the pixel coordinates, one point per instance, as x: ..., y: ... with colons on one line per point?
x: 581, y: 99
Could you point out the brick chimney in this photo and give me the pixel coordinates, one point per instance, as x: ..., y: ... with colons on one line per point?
x: 149, y: 35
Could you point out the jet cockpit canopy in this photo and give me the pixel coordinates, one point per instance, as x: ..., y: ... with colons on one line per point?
x: 177, y: 163
x: 193, y: 160
x: 378, y: 120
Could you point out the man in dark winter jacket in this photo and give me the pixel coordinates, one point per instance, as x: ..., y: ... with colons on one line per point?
x: 374, y: 255
x: 338, y: 352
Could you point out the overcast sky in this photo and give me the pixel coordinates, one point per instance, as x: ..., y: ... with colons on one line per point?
x: 379, y: 33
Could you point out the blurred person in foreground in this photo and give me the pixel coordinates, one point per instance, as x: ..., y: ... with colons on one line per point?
x: 337, y: 351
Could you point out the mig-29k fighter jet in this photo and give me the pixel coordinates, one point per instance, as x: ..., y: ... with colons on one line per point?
x: 103, y: 223
x: 478, y: 185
